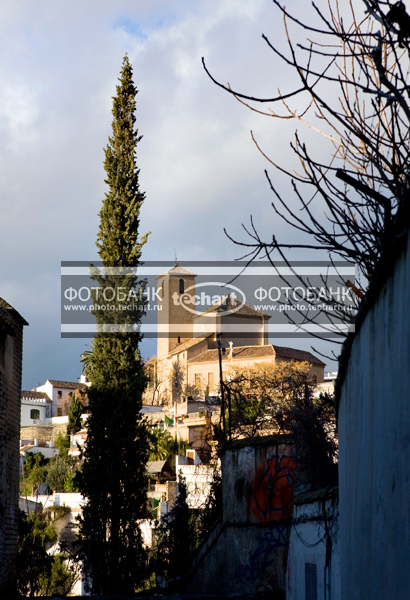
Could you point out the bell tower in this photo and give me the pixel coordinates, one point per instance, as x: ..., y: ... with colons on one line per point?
x: 176, y: 310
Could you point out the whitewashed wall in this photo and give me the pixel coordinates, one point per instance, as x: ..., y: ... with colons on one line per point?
x: 27, y: 407
x: 307, y: 550
x: 374, y: 449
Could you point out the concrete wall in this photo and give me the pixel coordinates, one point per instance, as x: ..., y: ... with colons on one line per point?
x: 11, y: 346
x: 247, y: 551
x: 307, y: 569
x: 374, y: 441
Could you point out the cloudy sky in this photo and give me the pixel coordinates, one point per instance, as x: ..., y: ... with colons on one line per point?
x: 199, y: 167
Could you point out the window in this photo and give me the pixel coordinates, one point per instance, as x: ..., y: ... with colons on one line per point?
x: 197, y: 381
x: 310, y: 581
x: 181, y: 286
x: 59, y: 395
x: 34, y: 413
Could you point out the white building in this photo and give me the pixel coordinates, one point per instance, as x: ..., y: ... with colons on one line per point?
x: 198, y: 478
x: 58, y: 391
x: 36, y: 407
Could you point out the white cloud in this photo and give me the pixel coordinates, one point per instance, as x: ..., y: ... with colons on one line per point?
x: 199, y: 167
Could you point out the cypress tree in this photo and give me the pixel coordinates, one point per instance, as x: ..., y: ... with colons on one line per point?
x: 112, y: 478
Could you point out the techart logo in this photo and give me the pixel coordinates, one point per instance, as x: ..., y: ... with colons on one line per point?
x: 210, y: 296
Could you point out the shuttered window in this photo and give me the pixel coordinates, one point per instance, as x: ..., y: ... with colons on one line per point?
x: 310, y: 581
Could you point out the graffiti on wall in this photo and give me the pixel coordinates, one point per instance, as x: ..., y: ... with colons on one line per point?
x: 272, y: 489
x: 264, y: 555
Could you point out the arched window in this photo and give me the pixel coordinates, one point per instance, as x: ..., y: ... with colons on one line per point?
x: 181, y: 286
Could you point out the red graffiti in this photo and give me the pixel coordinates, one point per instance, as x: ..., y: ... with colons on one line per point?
x: 272, y: 492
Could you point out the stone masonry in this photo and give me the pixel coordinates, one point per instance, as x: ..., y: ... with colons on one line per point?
x: 11, y: 346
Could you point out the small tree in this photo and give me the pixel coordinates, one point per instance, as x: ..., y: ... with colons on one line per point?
x: 75, y: 410
x: 312, y: 423
x: 38, y: 573
x: 175, y: 539
x: 159, y: 444
x: 177, y: 380
x: 259, y: 394
x: 34, y: 472
x: 280, y: 398
x: 156, y: 393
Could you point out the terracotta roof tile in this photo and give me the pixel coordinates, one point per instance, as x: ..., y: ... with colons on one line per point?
x: 239, y: 353
x: 31, y: 395
x: 68, y: 385
x: 300, y: 355
x: 4, y: 304
x: 244, y: 352
x: 177, y: 270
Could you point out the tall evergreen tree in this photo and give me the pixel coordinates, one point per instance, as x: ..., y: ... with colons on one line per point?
x: 113, y: 475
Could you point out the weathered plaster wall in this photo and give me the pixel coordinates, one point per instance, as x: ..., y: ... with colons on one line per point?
x: 311, y: 542
x: 247, y: 551
x: 11, y: 343
x: 374, y: 442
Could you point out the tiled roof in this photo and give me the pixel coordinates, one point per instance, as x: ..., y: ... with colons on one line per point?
x: 31, y: 395
x: 68, y: 385
x: 159, y: 466
x: 244, y: 352
x: 297, y: 354
x: 190, y: 343
x: 177, y: 270
x: 7, y: 306
x: 240, y: 352
x: 148, y: 409
x: 4, y: 304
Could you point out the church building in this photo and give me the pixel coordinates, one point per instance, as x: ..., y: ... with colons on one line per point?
x: 187, y: 343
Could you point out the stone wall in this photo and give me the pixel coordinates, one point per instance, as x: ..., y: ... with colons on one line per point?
x: 11, y: 346
x: 44, y: 433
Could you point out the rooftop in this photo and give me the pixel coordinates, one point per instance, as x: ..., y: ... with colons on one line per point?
x: 190, y: 343
x: 5, y: 305
x: 234, y: 307
x: 239, y: 352
x: 68, y: 385
x: 269, y: 350
x: 177, y: 270
x: 34, y: 396
x: 297, y: 354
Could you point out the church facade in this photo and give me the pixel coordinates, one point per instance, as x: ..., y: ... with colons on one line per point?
x: 187, y: 361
